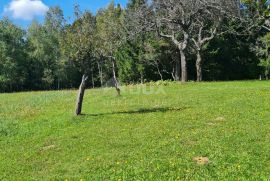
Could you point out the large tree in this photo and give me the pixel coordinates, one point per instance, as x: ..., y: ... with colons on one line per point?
x: 13, y: 59
x: 207, y: 25
x: 176, y: 20
x: 44, y: 46
x: 110, y: 36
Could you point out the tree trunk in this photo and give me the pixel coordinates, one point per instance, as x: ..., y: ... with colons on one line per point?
x: 116, y: 84
x: 100, y: 74
x: 159, y: 72
x: 183, y: 67
x: 199, y: 66
x: 58, y: 84
x: 142, y: 78
x: 177, y: 71
x: 173, y: 75
x: 80, y: 96
x: 92, y: 78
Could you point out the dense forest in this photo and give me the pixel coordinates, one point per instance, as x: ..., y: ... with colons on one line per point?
x: 145, y: 41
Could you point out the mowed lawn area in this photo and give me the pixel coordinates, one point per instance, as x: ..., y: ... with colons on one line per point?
x: 149, y: 133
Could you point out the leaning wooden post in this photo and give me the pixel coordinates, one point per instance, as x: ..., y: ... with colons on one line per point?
x: 80, y: 96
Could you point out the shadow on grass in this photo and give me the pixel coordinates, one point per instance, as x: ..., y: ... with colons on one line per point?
x: 141, y: 111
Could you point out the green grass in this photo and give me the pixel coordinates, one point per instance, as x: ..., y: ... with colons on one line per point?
x: 138, y: 136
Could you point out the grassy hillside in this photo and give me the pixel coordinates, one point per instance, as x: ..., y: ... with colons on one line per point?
x: 138, y: 136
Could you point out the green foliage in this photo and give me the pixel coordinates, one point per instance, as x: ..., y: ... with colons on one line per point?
x: 128, y: 64
x: 264, y: 53
x: 54, y: 54
x: 259, y: 7
x: 13, y: 60
x: 109, y: 29
x: 230, y: 58
x: 44, y: 43
x: 79, y: 42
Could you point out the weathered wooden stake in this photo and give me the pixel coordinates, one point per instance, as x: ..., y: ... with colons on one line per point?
x: 80, y: 96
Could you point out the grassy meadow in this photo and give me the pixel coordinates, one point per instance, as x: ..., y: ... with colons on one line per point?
x: 151, y: 132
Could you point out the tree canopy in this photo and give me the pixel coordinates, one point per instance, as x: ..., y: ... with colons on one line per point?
x: 145, y: 41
